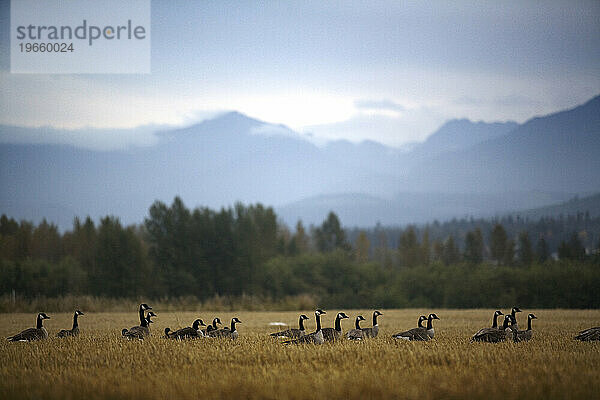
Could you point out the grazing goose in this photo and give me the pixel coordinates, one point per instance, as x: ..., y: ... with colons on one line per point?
x: 356, y: 333
x: 37, y: 333
x: 482, y: 331
x: 588, y: 335
x: 226, y: 332
x: 419, y: 333
x: 293, y: 333
x: 374, y: 330
x: 189, y: 332
x: 75, y: 330
x: 213, y: 327
x: 493, y: 335
x: 520, y: 336
x: 333, y: 334
x: 316, y: 337
x: 142, y: 329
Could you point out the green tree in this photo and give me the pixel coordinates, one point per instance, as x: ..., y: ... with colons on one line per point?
x: 451, y: 255
x: 474, y: 247
x: 409, y: 249
x: 542, y: 250
x: 361, y: 248
x: 525, y: 252
x: 509, y: 253
x: 330, y: 236
x: 498, y: 240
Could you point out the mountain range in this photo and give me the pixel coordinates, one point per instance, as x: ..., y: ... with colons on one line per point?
x: 463, y: 169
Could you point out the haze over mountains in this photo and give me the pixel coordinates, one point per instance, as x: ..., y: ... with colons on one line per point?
x: 463, y: 168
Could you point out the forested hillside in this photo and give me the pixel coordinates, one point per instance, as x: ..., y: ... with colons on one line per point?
x: 247, y: 251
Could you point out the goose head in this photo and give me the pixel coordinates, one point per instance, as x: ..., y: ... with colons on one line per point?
x: 531, y: 316
x: 150, y: 314
x: 145, y: 307
x: 422, y: 319
x: 320, y: 312
x: 236, y: 320
x: 304, y: 317
x: 124, y: 332
x: 515, y: 310
x: 377, y: 313
x: 433, y: 316
x: 498, y: 313
x: 79, y: 312
x: 342, y: 315
x: 360, y: 318
x: 43, y: 316
x: 217, y: 321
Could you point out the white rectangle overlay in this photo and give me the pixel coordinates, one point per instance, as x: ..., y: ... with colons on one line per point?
x: 80, y: 36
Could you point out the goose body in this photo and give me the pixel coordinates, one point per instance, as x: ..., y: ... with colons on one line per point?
x: 75, y: 330
x: 335, y: 333
x: 480, y: 334
x: 493, y: 335
x: 588, y: 335
x: 293, y: 333
x: 372, y: 332
x: 189, y: 332
x: 226, y: 332
x: 315, y: 337
x: 520, y: 336
x: 143, y: 329
x: 419, y: 333
x: 356, y: 333
x: 213, y: 327
x: 37, y: 333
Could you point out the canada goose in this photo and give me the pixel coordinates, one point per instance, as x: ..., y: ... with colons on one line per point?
x: 75, y: 330
x: 372, y: 332
x: 513, y: 314
x: 293, y: 333
x: 419, y: 333
x: 493, y: 335
x: 520, y: 336
x: 315, y: 337
x: 588, y: 335
x: 142, y: 329
x: 357, y: 333
x: 213, y: 327
x: 333, y: 334
x: 187, y: 332
x: 226, y: 332
x: 482, y: 331
x: 37, y: 333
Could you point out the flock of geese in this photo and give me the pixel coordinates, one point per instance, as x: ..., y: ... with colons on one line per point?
x: 494, y: 334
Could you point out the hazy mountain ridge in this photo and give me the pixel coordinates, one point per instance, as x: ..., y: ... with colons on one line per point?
x: 492, y: 168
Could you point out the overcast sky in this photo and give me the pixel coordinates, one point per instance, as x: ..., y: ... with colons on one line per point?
x: 386, y: 71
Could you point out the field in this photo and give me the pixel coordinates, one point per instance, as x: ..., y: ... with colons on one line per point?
x: 100, y: 364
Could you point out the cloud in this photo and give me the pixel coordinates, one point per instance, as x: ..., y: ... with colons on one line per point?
x: 385, y: 105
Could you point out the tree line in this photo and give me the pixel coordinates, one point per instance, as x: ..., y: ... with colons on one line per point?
x: 245, y: 250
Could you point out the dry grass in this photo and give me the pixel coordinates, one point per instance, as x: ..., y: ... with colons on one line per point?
x: 100, y: 364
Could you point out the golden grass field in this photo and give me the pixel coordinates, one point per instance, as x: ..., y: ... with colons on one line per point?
x: 100, y: 364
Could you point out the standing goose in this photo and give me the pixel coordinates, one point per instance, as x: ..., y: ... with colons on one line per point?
x: 226, y: 332
x: 588, y: 335
x: 482, y: 331
x: 493, y: 335
x: 293, y: 333
x: 374, y: 330
x: 356, y: 333
x: 513, y: 314
x: 430, y: 330
x: 419, y: 333
x: 213, y: 327
x: 142, y: 329
x: 75, y: 330
x: 520, y: 336
x: 188, y: 332
x: 316, y: 337
x: 333, y: 334
x: 37, y: 333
